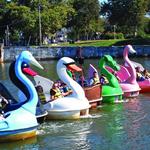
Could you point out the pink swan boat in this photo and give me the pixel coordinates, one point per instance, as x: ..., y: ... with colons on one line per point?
x: 127, y: 77
x: 144, y: 85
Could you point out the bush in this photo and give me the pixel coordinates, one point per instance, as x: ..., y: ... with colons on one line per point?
x: 112, y: 36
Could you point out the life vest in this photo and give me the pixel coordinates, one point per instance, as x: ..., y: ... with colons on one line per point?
x: 139, y: 75
x: 42, y: 98
x: 58, y: 93
x: 96, y: 81
x: 103, y: 80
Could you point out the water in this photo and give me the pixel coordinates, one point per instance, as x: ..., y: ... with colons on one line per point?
x: 123, y: 126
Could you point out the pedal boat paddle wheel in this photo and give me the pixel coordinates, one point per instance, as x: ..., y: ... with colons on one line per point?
x: 19, y: 120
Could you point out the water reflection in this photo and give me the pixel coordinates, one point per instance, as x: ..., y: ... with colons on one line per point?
x: 62, y: 133
x: 20, y: 145
x: 4, y: 72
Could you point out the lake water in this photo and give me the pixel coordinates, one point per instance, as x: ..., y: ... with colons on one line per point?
x: 123, y: 126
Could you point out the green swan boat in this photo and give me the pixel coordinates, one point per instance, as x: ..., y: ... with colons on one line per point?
x: 111, y: 92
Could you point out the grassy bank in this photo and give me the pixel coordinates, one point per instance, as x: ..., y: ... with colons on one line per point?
x: 108, y: 42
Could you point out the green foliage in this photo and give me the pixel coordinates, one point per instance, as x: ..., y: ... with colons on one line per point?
x: 23, y: 16
x: 86, y: 18
x: 147, y: 25
x: 81, y: 17
x: 116, y: 42
x: 109, y: 35
x: 128, y: 15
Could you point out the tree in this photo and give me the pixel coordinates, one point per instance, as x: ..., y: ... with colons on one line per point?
x: 86, y: 12
x: 128, y: 15
x: 22, y: 17
x: 147, y: 25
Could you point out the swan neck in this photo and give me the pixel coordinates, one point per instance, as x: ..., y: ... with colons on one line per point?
x: 33, y: 100
x: 77, y: 90
x: 113, y: 82
x: 131, y: 69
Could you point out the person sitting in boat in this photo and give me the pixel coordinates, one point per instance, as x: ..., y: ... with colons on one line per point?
x: 82, y: 81
x: 146, y: 74
x: 103, y: 79
x: 55, y: 92
x: 65, y: 89
x: 41, y: 94
x: 139, y: 76
x: 95, y: 79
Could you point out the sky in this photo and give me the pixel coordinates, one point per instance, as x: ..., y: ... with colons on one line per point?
x: 101, y: 1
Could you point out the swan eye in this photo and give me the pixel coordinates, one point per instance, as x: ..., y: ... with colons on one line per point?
x: 71, y: 63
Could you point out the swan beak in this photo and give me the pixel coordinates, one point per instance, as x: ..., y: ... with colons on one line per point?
x: 74, y: 67
x: 35, y: 63
x: 132, y: 50
x: 29, y: 72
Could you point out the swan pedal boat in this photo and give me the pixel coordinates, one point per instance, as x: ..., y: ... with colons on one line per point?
x: 73, y: 106
x: 20, y: 121
x: 129, y: 85
x: 40, y: 112
x: 145, y: 84
x: 111, y: 92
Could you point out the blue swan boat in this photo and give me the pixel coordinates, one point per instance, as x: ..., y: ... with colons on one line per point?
x: 19, y: 121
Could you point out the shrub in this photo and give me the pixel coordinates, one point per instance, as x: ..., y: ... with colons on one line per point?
x: 111, y: 35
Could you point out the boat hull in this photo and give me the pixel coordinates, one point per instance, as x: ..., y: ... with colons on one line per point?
x: 112, y: 99
x: 111, y: 94
x: 130, y: 90
x: 94, y: 95
x: 132, y: 94
x: 144, y: 85
x: 145, y: 89
x: 15, y: 135
x: 65, y: 115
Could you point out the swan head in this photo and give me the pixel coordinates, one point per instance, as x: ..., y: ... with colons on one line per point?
x: 27, y: 58
x: 130, y: 49
x: 64, y: 64
x: 27, y: 70
x: 68, y: 63
x: 111, y: 62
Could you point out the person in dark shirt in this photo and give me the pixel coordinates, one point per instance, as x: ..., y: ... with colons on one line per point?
x: 82, y: 81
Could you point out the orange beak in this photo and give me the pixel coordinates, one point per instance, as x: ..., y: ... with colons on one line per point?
x: 74, y: 67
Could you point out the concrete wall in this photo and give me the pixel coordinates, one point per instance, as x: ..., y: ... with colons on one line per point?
x: 43, y: 53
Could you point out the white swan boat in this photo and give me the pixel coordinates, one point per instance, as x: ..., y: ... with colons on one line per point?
x: 73, y: 106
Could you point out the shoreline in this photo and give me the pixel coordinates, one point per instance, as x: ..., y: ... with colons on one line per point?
x: 8, y: 54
